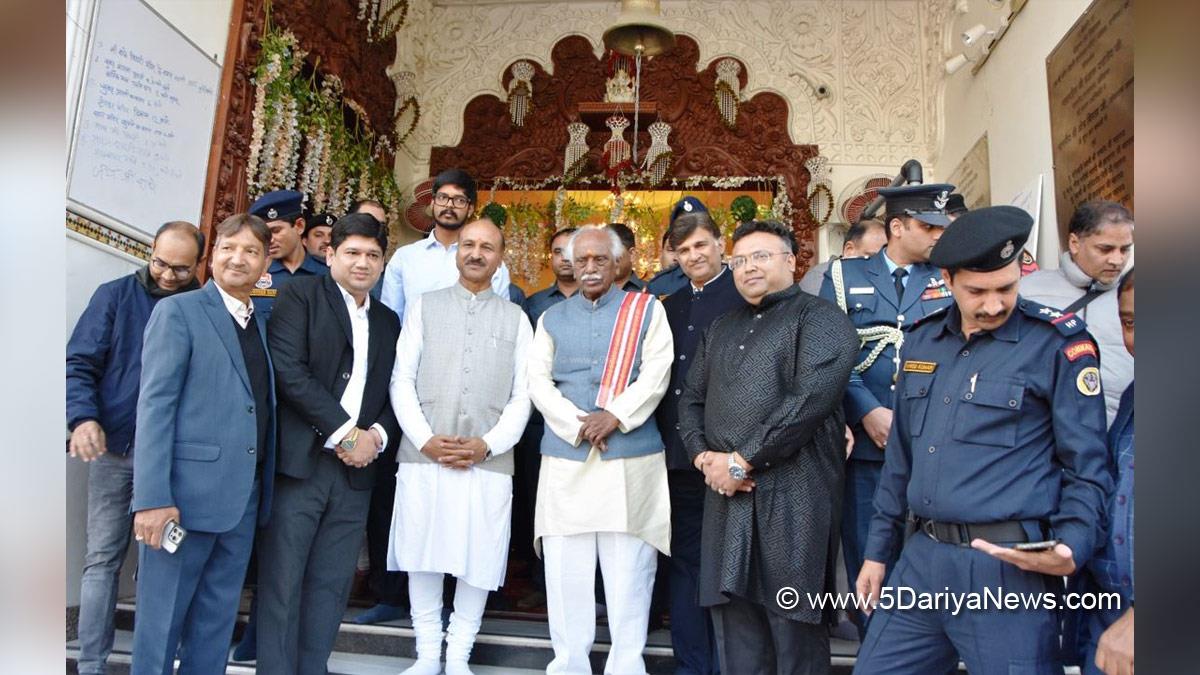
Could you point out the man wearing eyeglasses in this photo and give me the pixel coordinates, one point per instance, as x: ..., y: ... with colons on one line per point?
x: 104, y: 366
x: 883, y: 295
x: 428, y: 264
x: 761, y: 418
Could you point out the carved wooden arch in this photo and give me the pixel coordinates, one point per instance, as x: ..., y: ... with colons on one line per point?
x: 760, y: 146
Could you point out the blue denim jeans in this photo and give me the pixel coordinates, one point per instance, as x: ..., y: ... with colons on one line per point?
x: 110, y: 489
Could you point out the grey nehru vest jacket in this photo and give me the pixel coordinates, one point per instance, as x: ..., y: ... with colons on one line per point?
x: 465, y: 376
x: 581, y: 331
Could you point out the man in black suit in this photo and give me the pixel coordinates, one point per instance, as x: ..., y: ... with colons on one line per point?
x: 334, y: 348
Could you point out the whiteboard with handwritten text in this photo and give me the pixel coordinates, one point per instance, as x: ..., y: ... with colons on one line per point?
x: 145, y: 123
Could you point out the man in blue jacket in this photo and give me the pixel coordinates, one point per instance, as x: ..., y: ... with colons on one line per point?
x: 104, y: 363
x: 204, y: 454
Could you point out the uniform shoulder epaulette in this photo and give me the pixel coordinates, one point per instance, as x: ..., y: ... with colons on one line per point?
x: 938, y: 313
x: 1067, y: 324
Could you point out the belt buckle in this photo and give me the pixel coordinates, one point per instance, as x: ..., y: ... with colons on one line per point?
x: 927, y: 528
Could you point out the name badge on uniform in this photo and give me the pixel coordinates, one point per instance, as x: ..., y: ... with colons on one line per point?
x: 264, y: 292
x: 862, y: 290
x: 925, y: 367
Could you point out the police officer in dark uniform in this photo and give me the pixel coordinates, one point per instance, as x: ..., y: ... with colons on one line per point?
x: 283, y: 211
x: 673, y: 278
x: 883, y: 294
x: 996, y: 464
x: 318, y: 228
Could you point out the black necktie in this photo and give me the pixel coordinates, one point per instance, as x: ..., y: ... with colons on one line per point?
x: 899, y: 273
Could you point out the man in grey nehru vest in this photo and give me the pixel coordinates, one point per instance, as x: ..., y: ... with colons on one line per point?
x: 458, y: 389
x: 600, y: 363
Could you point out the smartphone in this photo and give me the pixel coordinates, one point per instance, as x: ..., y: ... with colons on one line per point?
x: 1037, y: 545
x: 173, y: 535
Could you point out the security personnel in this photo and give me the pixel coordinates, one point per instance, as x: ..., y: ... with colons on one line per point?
x: 998, y: 443
x: 883, y: 294
x: 283, y: 211
x: 672, y: 279
x: 318, y: 229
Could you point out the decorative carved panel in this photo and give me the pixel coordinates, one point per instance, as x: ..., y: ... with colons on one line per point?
x: 759, y: 146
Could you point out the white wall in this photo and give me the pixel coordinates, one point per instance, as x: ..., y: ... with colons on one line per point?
x: 1008, y: 99
x: 88, y: 263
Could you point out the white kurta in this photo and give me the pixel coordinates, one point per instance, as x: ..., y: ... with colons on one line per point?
x: 618, y: 495
x: 445, y: 520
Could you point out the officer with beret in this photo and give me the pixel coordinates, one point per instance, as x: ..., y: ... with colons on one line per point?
x: 672, y: 278
x: 996, y: 468
x: 284, y: 214
x: 318, y: 229
x: 883, y: 294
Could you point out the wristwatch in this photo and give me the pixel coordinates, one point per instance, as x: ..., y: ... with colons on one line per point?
x: 736, y: 471
x: 350, y: 440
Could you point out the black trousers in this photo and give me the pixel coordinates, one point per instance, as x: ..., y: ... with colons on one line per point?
x: 390, y: 588
x: 759, y: 642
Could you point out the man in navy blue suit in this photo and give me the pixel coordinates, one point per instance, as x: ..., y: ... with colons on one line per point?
x: 709, y: 293
x: 883, y: 294
x: 204, y: 457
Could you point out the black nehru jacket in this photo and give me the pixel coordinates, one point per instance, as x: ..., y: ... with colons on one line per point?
x: 255, y: 356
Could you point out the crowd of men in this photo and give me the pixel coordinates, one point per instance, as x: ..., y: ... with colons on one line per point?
x: 713, y: 439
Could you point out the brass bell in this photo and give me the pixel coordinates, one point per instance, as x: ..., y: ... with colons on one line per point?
x: 639, y: 28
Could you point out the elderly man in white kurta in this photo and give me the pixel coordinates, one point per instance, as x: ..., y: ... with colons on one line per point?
x: 599, y: 365
x: 459, y: 392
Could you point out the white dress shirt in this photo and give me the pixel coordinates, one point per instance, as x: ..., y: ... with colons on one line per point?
x: 360, y: 329
x: 424, y: 266
x: 241, y: 311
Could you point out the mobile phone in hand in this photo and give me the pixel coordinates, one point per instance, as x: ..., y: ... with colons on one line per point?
x: 173, y: 535
x: 1037, y: 545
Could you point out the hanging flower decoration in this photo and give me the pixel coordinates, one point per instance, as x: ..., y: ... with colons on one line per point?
x: 743, y: 208
x: 727, y: 91
x: 658, y: 157
x: 575, y: 156
x: 408, y: 113
x: 520, y: 92
x: 528, y: 225
x: 300, y: 138
x: 383, y: 17
x: 616, y: 157
x: 495, y: 213
x: 820, y: 196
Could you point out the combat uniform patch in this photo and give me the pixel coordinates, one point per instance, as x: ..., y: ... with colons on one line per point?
x: 1088, y: 381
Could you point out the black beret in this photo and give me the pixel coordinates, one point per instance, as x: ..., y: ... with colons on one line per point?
x: 320, y: 220
x: 956, y: 205
x: 984, y: 239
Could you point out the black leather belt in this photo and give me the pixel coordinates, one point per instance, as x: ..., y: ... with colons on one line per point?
x: 962, y: 534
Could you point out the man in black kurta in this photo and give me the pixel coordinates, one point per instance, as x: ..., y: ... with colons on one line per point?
x: 760, y: 416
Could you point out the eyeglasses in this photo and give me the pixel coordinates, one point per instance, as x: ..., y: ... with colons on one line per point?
x: 443, y: 199
x: 176, y: 270
x: 759, y: 258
